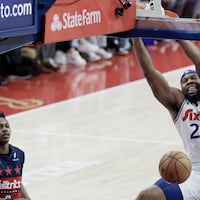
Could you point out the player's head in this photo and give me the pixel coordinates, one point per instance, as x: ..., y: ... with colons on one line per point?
x: 5, y: 130
x: 190, y: 84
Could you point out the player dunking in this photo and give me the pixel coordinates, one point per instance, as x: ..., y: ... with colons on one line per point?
x: 11, y: 165
x: 184, y: 108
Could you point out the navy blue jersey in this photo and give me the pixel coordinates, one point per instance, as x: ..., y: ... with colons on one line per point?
x: 11, y: 166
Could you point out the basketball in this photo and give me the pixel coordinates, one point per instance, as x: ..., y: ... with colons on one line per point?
x: 175, y: 167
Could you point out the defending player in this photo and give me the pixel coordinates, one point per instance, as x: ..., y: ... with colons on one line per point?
x: 184, y: 108
x: 11, y: 165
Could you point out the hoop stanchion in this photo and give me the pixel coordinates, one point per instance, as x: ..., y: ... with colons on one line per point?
x: 66, y: 21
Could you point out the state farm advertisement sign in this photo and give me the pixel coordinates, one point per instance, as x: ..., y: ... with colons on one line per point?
x: 66, y: 21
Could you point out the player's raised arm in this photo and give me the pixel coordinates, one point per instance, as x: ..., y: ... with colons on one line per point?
x: 193, y: 52
x: 170, y: 97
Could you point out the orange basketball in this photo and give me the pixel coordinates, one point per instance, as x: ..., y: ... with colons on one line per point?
x: 175, y: 167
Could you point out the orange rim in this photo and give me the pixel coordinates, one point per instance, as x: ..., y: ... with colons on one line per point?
x: 171, y: 14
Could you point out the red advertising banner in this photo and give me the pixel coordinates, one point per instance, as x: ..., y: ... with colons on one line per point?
x: 70, y: 19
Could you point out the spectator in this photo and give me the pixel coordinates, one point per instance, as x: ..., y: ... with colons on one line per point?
x: 91, y: 49
x: 12, y: 66
x: 46, y: 57
x: 119, y: 46
x: 67, y: 54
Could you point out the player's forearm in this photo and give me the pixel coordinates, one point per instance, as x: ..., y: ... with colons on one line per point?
x: 143, y: 57
x: 192, y: 51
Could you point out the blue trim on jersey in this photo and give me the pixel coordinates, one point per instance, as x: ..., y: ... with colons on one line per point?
x: 171, y: 191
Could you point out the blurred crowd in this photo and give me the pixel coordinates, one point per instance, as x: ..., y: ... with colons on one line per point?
x: 29, y: 61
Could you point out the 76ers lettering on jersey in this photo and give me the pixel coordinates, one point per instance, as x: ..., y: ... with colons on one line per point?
x: 187, y: 123
x: 11, y: 166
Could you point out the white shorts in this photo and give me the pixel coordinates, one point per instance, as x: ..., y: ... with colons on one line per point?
x: 191, y: 187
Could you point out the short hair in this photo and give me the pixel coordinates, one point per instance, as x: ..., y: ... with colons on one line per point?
x: 2, y: 114
x: 189, y: 71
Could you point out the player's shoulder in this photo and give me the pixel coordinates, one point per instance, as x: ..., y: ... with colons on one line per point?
x: 16, y: 154
x: 16, y: 149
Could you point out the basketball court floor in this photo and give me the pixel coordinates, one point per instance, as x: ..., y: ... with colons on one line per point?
x: 93, y: 133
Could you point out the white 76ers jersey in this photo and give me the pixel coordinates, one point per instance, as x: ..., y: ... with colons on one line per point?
x: 187, y: 123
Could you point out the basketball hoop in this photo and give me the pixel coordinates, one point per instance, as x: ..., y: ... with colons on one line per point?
x: 152, y: 21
